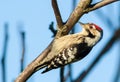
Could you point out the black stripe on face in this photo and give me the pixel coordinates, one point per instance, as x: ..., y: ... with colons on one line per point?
x: 90, y: 34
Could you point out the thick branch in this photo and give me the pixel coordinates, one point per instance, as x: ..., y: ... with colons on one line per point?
x: 30, y: 69
x: 57, y: 13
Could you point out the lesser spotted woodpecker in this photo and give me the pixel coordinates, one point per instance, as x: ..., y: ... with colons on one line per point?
x: 72, y: 47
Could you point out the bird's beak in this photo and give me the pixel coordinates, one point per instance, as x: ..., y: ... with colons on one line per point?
x: 82, y: 24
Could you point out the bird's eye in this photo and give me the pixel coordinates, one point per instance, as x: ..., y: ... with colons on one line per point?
x: 91, y: 27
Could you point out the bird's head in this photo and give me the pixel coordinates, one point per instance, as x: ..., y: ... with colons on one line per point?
x: 92, y: 30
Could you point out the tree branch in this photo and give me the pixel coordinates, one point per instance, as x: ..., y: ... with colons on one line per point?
x: 99, y: 5
x: 57, y: 13
x: 30, y: 69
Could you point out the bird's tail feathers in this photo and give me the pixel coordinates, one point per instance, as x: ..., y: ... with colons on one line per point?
x: 40, y: 67
x: 46, y: 70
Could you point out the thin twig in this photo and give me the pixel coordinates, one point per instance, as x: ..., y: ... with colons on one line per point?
x: 62, y: 74
x: 23, y: 50
x: 70, y: 72
x: 51, y: 27
x: 67, y: 76
x: 99, y: 5
x: 57, y: 13
x: 4, y: 53
x: 107, y: 47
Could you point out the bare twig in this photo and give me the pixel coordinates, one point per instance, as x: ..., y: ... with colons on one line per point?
x: 4, y: 53
x: 99, y: 5
x: 67, y: 76
x: 62, y: 74
x: 70, y: 72
x: 57, y: 13
x: 102, y: 53
x: 23, y: 50
x: 51, y: 27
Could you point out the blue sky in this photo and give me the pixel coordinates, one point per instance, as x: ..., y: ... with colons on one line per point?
x: 35, y: 17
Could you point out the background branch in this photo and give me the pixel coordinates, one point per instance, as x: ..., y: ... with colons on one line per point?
x: 3, y: 61
x: 23, y: 50
x: 62, y: 74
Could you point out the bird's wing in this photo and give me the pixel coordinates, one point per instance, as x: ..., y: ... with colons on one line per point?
x: 74, y: 53
x: 62, y: 43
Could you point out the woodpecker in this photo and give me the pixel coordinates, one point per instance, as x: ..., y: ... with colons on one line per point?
x: 72, y: 47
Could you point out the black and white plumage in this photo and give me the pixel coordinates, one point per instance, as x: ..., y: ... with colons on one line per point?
x: 71, y: 48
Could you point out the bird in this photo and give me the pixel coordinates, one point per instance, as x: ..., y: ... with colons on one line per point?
x: 72, y: 48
